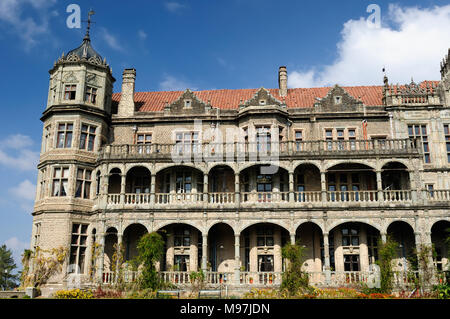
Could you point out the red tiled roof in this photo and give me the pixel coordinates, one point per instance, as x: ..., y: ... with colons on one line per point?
x: 230, y: 99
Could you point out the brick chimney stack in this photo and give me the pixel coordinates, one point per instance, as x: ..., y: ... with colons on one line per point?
x: 282, y: 81
x: 126, y: 104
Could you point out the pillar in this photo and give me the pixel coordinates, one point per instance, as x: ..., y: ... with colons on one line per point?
x: 291, y: 187
x: 153, y: 189
x: 379, y: 186
x: 236, y: 188
x: 102, y: 258
x: 205, y: 188
x: 323, y: 184
x: 326, y: 248
x: 204, y: 252
x: 122, y: 188
x: 237, y: 259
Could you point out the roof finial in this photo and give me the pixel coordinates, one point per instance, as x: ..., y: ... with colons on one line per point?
x: 87, y: 37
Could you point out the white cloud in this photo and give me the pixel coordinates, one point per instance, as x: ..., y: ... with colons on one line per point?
x: 15, y: 152
x: 111, y: 40
x: 142, y: 35
x: 17, y: 247
x: 411, y: 42
x: 170, y: 83
x: 26, y: 190
x: 174, y: 7
x: 28, y: 28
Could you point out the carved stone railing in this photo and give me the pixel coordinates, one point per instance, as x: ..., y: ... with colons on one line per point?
x: 298, y: 199
x: 254, y: 151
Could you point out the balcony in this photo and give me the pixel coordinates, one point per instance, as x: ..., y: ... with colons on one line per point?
x: 401, y: 280
x: 239, y: 151
x: 274, y: 199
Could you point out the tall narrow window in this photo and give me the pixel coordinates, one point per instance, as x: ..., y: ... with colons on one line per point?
x: 447, y: 140
x: 187, y: 142
x: 70, y: 92
x: 43, y: 183
x: 91, y: 95
x: 298, y: 140
x: 60, y: 181
x: 340, y: 138
x: 372, y: 245
x: 352, y: 138
x: 87, y: 137
x: 264, y: 187
x: 350, y: 236
x: 37, y: 236
x: 184, y: 182
x: 46, y: 141
x: 329, y: 138
x: 420, y: 132
x: 182, y: 237
x: 301, y: 187
x: 83, y: 183
x: 78, y: 247
x: 65, y: 131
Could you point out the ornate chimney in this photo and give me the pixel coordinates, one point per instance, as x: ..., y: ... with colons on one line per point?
x: 282, y: 81
x: 126, y: 104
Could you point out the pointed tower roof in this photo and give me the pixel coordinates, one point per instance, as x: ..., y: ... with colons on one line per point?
x: 85, y: 50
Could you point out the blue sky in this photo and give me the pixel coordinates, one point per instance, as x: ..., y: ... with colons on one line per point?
x: 178, y: 44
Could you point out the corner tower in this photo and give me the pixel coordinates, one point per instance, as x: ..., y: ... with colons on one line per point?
x: 76, y: 123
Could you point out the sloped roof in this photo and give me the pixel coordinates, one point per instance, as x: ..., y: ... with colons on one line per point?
x: 230, y: 99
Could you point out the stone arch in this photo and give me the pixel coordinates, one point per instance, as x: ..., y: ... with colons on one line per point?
x: 129, y: 167
x: 439, y: 234
x: 385, y: 162
x: 332, y: 164
x: 221, y: 250
x: 114, y: 180
x: 245, y: 166
x: 131, y: 236
x: 182, y: 241
x: 224, y: 164
x: 310, y: 235
x: 249, y: 224
x: 338, y: 223
x: 402, y: 233
x: 160, y: 168
x: 158, y: 227
x: 297, y: 164
x: 300, y: 223
x: 138, y: 179
x: 395, y: 175
x: 208, y: 228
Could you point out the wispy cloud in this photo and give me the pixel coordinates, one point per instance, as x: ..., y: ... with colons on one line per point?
x: 142, y: 35
x: 28, y: 27
x: 171, y: 83
x: 174, y: 7
x: 111, y: 40
x: 364, y: 50
x: 16, y: 153
x: 17, y: 247
x: 26, y: 190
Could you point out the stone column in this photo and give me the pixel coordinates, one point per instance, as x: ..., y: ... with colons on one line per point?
x: 323, y: 184
x: 102, y: 258
x: 291, y: 187
x: 153, y: 189
x: 205, y: 252
x: 119, y: 253
x: 205, y: 188
x: 326, y: 248
x: 237, y: 260
x: 383, y: 237
x: 236, y: 189
x: 292, y: 236
x: 122, y: 188
x: 379, y: 186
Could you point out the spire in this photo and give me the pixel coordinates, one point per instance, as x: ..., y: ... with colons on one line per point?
x: 87, y: 37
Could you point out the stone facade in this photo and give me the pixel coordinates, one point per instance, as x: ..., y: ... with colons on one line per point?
x: 351, y: 165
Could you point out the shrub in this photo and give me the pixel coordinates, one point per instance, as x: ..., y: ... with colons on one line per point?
x: 442, y: 290
x: 295, y: 280
x: 151, y: 248
x: 73, y: 294
x: 386, y: 252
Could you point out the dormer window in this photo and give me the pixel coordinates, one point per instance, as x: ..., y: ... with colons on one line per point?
x: 187, y: 104
x: 70, y: 92
x: 337, y: 99
x: 262, y: 102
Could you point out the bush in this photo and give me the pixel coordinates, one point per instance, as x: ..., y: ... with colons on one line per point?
x: 295, y: 280
x: 151, y: 248
x: 73, y: 294
x: 442, y: 290
x: 107, y: 294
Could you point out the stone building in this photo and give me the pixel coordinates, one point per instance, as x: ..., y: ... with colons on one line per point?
x: 230, y: 176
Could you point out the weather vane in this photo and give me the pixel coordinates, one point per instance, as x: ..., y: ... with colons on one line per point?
x: 90, y: 13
